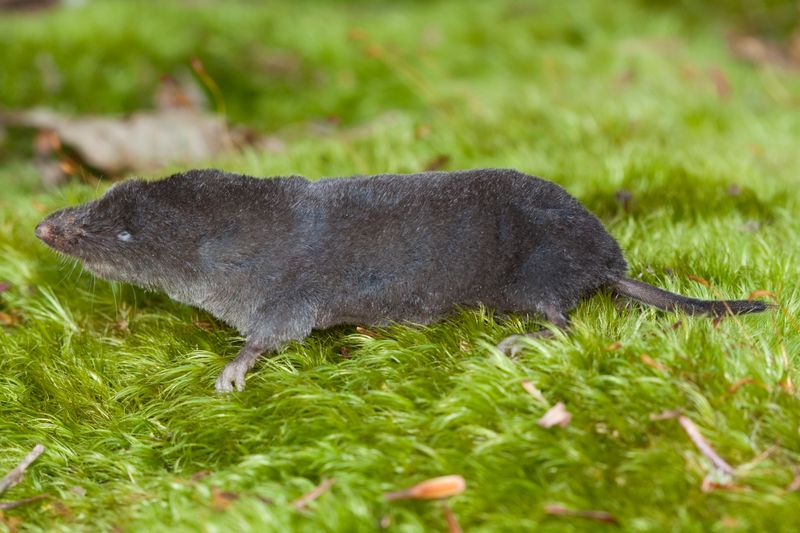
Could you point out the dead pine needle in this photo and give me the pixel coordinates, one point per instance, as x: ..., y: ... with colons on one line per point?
x: 4, y: 506
x: 431, y: 489
x: 705, y: 448
x: 795, y: 483
x: 599, y: 516
x: 16, y: 475
x: 452, y: 522
x: 302, y: 502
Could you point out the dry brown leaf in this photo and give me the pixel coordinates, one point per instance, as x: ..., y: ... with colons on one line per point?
x: 600, y: 516
x: 146, y: 140
x: 344, y: 352
x: 452, y: 522
x: 652, y: 363
x: 431, y: 489
x: 614, y: 346
x: 531, y: 389
x: 220, y: 499
x: 303, y: 501
x: 705, y: 448
x: 698, y: 279
x: 556, y: 416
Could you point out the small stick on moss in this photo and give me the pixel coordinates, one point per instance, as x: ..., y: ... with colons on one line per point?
x: 301, y: 502
x: 703, y: 445
x: 16, y: 475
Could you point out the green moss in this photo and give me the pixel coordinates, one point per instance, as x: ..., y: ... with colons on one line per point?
x: 118, y: 383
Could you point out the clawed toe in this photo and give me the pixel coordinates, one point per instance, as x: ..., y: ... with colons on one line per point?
x: 232, y: 376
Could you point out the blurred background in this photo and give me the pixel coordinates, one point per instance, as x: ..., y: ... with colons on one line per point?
x: 106, y: 88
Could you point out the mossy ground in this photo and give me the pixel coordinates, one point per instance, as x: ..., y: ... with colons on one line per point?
x: 118, y: 383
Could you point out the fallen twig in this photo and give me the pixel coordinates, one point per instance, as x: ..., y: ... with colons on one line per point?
x: 694, y: 433
x: 16, y: 475
x: 301, y: 502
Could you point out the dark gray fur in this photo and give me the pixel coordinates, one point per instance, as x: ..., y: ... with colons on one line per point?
x: 276, y: 258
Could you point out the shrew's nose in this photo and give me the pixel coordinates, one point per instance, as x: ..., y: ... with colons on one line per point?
x: 44, y: 231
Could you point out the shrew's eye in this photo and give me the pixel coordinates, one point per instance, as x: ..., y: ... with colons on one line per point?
x: 124, y: 236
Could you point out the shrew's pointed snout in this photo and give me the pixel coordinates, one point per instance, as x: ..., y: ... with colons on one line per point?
x: 45, y: 230
x: 58, y: 230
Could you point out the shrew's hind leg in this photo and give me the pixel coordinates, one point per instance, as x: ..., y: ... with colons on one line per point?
x: 512, y: 345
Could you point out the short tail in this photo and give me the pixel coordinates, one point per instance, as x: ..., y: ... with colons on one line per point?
x: 668, y: 301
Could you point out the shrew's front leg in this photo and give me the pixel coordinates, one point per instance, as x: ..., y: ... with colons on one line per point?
x: 257, y: 343
x: 234, y: 372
